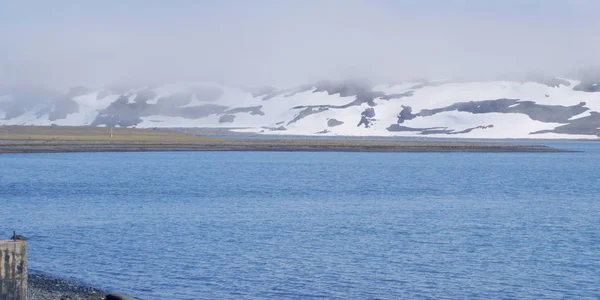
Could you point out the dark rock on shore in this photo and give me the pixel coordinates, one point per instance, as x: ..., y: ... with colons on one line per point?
x: 46, y: 287
x: 118, y: 296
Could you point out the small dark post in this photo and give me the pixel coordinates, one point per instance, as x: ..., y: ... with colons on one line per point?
x: 14, y: 236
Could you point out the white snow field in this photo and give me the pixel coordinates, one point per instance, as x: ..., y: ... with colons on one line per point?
x: 335, y: 109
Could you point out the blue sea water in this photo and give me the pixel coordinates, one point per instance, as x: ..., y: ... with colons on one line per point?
x: 284, y: 225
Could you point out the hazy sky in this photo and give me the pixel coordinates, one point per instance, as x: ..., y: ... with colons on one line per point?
x: 283, y: 42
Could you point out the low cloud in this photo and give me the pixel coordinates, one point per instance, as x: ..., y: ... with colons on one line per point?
x: 60, y: 44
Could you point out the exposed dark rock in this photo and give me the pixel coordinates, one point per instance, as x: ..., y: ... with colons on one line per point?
x: 548, y: 113
x: 436, y: 131
x: 334, y: 122
x: 118, y: 296
x: 125, y: 113
x: 364, y: 121
x: 589, y: 86
x: 539, y: 112
x: 473, y: 128
x: 405, y: 114
x: 307, y: 112
x: 400, y: 128
x: 172, y: 106
x: 61, y: 108
x: 586, y: 125
x: 369, y: 113
x: 367, y: 117
x: 280, y: 128
x: 396, y: 96
x: 323, y: 131
x: 121, y: 112
x: 433, y: 130
x: 227, y: 119
x: 590, y: 80
x: 253, y: 110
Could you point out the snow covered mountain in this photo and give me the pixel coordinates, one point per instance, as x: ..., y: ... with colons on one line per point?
x: 546, y: 108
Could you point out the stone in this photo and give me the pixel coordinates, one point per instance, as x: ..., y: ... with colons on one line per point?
x: 118, y: 296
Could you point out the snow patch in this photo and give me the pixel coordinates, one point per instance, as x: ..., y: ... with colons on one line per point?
x: 280, y: 109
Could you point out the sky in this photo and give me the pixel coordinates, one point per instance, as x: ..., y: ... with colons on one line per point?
x: 64, y: 43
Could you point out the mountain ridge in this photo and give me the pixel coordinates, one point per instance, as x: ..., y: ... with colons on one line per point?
x: 541, y: 107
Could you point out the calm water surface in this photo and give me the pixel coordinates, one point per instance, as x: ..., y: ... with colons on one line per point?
x: 256, y: 225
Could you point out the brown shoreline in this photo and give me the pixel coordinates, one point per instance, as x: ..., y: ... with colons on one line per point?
x: 36, y: 146
x: 32, y: 139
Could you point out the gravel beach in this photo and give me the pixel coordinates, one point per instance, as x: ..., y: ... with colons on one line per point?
x: 264, y: 145
x: 46, y: 287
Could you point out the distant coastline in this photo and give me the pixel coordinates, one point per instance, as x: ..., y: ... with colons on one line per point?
x: 40, y: 139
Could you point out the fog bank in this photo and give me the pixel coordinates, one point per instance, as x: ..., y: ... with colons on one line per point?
x: 59, y: 44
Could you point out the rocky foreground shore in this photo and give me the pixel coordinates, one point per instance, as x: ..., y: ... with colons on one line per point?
x: 46, y: 287
x: 20, y: 146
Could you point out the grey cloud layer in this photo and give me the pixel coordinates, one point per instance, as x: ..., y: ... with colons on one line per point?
x: 290, y: 42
